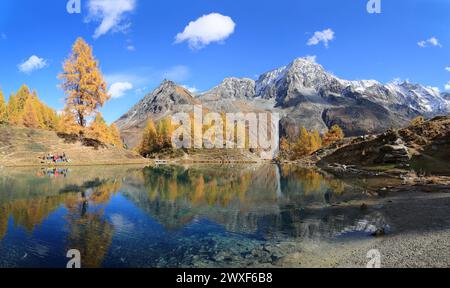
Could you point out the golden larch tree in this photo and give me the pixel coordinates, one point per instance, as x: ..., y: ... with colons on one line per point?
x: 99, y: 130
x: 50, y: 117
x: 85, y: 89
x: 301, y: 146
x: 30, y: 118
x: 116, y: 139
x: 333, y: 135
x: 25, y: 109
x: 316, y: 141
x: 419, y: 120
x: 307, y: 143
x: 149, y: 139
x: 68, y: 123
x: 165, y: 131
x: 285, y: 148
x: 3, y: 110
x: 13, y: 110
x: 21, y: 97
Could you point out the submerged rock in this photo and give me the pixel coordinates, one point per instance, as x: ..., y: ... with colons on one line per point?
x: 364, y: 207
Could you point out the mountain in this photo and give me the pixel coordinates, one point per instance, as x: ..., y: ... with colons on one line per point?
x: 296, y: 82
x: 165, y: 100
x: 232, y: 88
x: 304, y: 94
x: 302, y: 77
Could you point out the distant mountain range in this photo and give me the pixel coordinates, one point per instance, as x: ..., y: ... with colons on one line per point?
x: 304, y: 94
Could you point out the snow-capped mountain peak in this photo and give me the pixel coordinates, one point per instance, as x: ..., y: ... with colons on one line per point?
x: 305, y: 94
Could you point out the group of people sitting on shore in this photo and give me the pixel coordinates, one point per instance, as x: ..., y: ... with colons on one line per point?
x: 56, y: 158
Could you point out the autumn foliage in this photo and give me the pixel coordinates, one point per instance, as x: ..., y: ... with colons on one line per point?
x: 86, y: 93
x: 333, y: 135
x: 3, y: 109
x: 83, y: 84
x: 156, y: 138
x: 309, y: 142
x: 100, y: 131
x: 26, y: 110
x: 419, y: 120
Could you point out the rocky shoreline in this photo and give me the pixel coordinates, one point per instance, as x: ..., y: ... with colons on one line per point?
x: 418, y: 236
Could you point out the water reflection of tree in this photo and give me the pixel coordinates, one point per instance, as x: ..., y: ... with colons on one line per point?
x: 198, y: 187
x: 37, y: 198
x: 90, y: 232
x: 308, y: 182
x: 4, y: 215
x: 221, y: 187
x: 27, y: 213
x: 241, y: 198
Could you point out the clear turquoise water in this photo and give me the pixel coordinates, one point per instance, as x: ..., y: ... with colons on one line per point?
x: 198, y: 216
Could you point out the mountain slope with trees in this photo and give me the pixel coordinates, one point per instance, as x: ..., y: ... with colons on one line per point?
x: 29, y: 129
x: 304, y: 94
x: 423, y: 146
x: 20, y: 146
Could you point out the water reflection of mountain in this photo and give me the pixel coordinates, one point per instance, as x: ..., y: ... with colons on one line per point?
x: 265, y: 200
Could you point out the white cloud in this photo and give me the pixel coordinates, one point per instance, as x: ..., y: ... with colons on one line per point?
x: 433, y: 41
x: 3, y: 36
x: 399, y: 80
x: 131, y: 48
x: 177, y: 73
x: 447, y: 86
x: 324, y: 36
x: 134, y: 78
x: 119, y: 89
x: 435, y: 89
x: 193, y: 90
x: 143, y: 77
x: 33, y: 63
x: 110, y: 14
x: 207, y: 29
x: 447, y: 68
x: 141, y: 90
x: 311, y: 58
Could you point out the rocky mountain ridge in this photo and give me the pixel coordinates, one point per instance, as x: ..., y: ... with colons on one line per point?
x: 304, y: 94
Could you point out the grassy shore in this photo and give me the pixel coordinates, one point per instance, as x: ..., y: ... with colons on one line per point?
x: 22, y: 147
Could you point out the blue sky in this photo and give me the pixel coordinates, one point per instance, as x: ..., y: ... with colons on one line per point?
x: 136, y: 42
